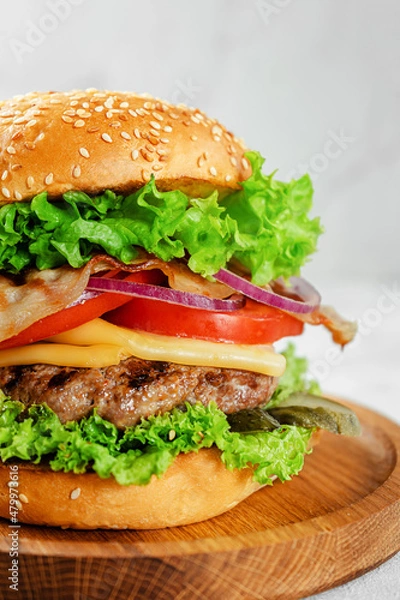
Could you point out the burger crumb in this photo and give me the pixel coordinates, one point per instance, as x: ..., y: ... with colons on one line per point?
x: 75, y: 493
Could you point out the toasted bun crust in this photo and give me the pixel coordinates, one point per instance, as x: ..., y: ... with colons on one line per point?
x: 196, y: 487
x: 91, y: 141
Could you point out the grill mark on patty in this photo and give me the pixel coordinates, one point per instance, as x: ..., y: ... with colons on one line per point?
x: 133, y: 389
x: 143, y: 375
x: 61, y: 378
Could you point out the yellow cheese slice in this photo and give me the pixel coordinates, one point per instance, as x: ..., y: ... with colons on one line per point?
x: 91, y: 343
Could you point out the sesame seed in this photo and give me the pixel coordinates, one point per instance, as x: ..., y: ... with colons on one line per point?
x: 168, y: 129
x: 76, y: 171
x: 86, y: 105
x: 19, y: 120
x: 145, y: 175
x: 133, y: 113
x: 99, y: 109
x: 106, y: 138
x: 40, y: 137
x: 161, y: 151
x: 109, y: 102
x: 135, y: 154
x: 171, y: 435
x: 195, y: 119
x: 84, y: 152
x: 216, y: 130
x: 173, y: 115
x: 164, y: 140
x: 124, y: 105
x: 157, y: 167
x: 155, y: 133
x: 16, y: 167
x: 11, y: 150
x: 79, y: 123
x: 245, y: 164
x: 4, y: 175
x: 55, y: 101
x: 110, y: 114
x: 155, y: 124
x: 228, y: 177
x: 233, y: 161
x: 201, y: 160
x: 75, y: 493
x: 217, y: 138
x: 194, y: 138
x: 126, y: 135
x: 157, y: 116
x: 93, y: 129
x: 23, y: 498
x: 67, y: 119
x: 30, y: 182
x: 199, y: 116
x: 141, y: 112
x: 31, y: 123
x: 17, y: 195
x: 18, y: 504
x: 30, y: 145
x: 137, y: 133
x: 213, y: 171
x: 146, y: 155
x: 5, y: 192
x: 49, y: 179
x: 74, y: 103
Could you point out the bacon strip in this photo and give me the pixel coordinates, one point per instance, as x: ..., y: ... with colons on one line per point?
x: 42, y: 293
x: 342, y: 330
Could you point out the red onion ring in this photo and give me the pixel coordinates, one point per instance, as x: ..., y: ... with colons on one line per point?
x: 147, y: 290
x: 310, y: 298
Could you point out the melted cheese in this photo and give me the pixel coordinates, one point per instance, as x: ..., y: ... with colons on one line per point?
x: 100, y: 344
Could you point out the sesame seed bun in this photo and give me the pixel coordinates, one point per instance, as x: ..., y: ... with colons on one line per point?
x: 91, y: 141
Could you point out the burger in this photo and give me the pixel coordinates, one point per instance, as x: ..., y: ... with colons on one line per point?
x: 147, y: 267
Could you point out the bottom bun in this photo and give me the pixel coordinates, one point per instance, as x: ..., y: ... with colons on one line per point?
x: 197, y: 486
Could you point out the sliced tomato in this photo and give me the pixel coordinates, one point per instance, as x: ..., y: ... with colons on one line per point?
x: 255, y: 323
x: 72, y: 317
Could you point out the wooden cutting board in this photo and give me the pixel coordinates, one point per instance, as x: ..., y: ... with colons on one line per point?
x: 335, y: 521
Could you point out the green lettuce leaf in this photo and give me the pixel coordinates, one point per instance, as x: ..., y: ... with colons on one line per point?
x: 294, y: 379
x: 264, y: 226
x: 273, y: 223
x: 133, y: 456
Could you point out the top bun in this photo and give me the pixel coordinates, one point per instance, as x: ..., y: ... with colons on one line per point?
x: 94, y: 140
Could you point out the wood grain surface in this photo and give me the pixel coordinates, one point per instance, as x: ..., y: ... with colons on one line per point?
x: 335, y: 521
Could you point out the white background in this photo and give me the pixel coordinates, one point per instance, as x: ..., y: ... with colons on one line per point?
x: 314, y: 85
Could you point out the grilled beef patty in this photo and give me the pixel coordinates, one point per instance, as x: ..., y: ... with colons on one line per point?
x: 133, y: 389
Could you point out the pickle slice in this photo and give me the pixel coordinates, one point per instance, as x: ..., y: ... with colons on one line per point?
x: 252, y: 420
x: 307, y: 410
